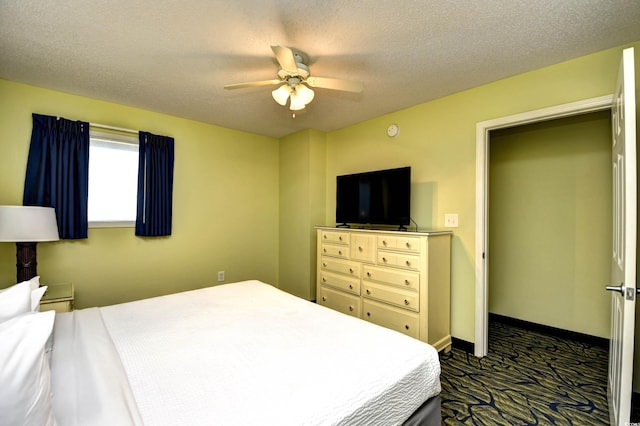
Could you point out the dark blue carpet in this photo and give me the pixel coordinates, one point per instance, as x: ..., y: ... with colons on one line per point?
x: 528, y: 378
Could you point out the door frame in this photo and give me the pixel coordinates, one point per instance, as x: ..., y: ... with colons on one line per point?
x: 482, y: 193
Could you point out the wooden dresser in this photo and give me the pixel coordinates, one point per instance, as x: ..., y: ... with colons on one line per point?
x: 399, y: 280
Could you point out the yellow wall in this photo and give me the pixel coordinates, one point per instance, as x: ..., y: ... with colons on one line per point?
x: 225, y: 211
x: 302, y: 197
x: 437, y: 139
x: 550, y: 223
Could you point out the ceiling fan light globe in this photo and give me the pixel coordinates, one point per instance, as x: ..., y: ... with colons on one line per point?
x: 281, y: 94
x: 305, y: 93
x: 297, y: 103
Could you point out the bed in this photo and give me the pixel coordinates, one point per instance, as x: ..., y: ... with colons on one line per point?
x: 236, y: 354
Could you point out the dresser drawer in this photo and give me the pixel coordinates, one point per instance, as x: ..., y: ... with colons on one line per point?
x: 335, y: 251
x: 399, y: 260
x: 401, y: 298
x: 337, y: 237
x: 387, y: 316
x: 408, y: 244
x: 341, y: 282
x: 351, y: 269
x: 64, y: 306
x: 402, y: 279
x: 363, y: 248
x: 340, y: 301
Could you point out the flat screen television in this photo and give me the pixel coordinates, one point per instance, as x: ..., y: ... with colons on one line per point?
x: 381, y: 197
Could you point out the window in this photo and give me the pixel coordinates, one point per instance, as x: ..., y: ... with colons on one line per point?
x: 113, y: 180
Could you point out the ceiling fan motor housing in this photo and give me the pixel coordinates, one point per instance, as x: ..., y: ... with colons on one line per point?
x: 302, y: 72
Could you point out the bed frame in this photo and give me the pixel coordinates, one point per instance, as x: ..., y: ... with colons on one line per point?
x: 428, y: 414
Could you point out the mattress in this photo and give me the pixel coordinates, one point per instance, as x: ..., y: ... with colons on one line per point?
x: 236, y: 354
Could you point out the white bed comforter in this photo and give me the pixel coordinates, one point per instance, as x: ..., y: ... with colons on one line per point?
x: 249, y: 354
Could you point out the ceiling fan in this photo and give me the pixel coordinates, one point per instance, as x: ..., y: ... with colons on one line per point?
x: 295, y: 75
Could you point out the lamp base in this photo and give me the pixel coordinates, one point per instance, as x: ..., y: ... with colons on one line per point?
x: 26, y: 261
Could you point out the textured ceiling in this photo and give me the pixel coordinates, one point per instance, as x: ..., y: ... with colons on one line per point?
x: 175, y: 57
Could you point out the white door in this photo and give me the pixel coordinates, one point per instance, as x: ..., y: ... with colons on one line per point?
x: 623, y: 265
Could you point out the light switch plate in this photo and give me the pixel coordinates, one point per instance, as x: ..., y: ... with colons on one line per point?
x: 451, y: 220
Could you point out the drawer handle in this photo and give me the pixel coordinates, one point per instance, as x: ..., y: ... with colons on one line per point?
x: 406, y: 326
x: 324, y: 264
x: 324, y: 299
x: 340, y: 237
x: 340, y: 252
x: 351, y: 308
x: 369, y: 274
x: 384, y: 242
x: 368, y: 291
x: 408, y: 263
x: 351, y: 286
x: 324, y: 236
x: 324, y: 250
x: 368, y: 314
x: 351, y: 270
x: 360, y: 248
x: 324, y: 280
x: 406, y: 302
x: 407, y: 282
x: 384, y: 259
x: 408, y: 244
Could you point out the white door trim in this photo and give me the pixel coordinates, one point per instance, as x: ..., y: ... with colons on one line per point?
x: 482, y: 181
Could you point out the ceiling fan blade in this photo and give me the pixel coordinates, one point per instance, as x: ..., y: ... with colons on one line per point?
x: 252, y: 84
x: 285, y: 58
x: 336, y: 84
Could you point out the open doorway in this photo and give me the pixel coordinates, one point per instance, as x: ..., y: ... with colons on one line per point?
x: 550, y: 221
x: 483, y: 130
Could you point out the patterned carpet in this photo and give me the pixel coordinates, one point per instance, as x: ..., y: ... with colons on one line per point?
x: 528, y: 378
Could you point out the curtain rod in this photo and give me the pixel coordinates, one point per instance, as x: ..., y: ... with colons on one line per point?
x: 118, y: 129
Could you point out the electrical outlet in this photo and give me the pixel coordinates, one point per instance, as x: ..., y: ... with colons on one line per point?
x: 451, y: 220
x: 220, y: 276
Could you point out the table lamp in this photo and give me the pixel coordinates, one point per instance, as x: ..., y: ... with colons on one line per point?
x: 26, y: 226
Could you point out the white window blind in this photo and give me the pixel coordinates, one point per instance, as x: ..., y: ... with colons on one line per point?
x: 113, y: 179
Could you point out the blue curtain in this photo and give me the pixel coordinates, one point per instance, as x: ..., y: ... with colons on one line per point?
x: 155, y: 185
x: 58, y: 172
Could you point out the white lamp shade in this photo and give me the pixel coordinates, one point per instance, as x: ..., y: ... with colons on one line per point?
x: 305, y: 93
x: 23, y: 224
x: 281, y: 94
x: 297, y: 103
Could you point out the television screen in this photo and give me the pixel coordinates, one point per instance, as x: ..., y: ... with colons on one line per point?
x: 381, y: 197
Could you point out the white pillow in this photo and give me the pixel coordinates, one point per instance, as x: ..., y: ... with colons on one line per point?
x: 36, y: 295
x: 35, y: 282
x: 25, y: 378
x: 15, y: 300
x: 36, y: 292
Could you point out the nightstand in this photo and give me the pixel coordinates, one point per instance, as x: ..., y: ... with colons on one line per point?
x: 58, y: 297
